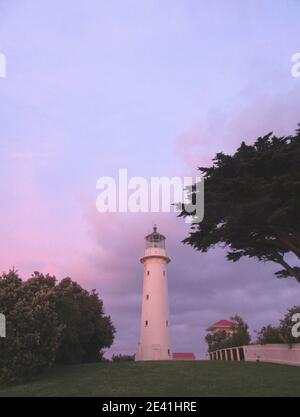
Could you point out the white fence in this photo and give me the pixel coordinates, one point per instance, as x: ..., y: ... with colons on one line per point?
x: 276, y: 353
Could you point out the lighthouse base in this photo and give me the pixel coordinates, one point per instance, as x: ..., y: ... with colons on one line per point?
x: 154, y: 352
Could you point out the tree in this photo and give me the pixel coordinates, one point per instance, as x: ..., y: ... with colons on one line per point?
x: 269, y: 334
x: 240, y: 335
x: 122, y: 358
x: 86, y: 330
x: 252, y: 203
x: 217, y: 340
x: 48, y: 322
x: 32, y: 327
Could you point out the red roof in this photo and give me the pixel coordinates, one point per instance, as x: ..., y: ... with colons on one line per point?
x: 184, y: 356
x: 223, y: 323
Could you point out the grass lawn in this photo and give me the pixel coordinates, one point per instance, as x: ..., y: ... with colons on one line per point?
x: 194, y: 378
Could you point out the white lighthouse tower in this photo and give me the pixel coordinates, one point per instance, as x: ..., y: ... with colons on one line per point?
x: 155, y: 341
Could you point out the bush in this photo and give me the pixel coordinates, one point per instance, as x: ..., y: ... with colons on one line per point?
x: 87, y: 331
x: 122, y: 358
x: 269, y: 334
x: 32, y: 328
x: 47, y: 323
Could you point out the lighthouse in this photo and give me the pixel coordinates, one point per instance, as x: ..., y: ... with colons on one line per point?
x: 155, y: 341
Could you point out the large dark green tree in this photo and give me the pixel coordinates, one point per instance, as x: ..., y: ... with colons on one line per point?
x: 32, y: 327
x: 48, y: 322
x: 252, y: 204
x: 86, y: 329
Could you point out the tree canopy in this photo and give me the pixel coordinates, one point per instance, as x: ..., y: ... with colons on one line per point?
x: 252, y: 204
x: 269, y: 334
x: 48, y: 322
x: 32, y: 328
x: 87, y: 330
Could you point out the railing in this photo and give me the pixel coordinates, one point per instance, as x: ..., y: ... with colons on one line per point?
x: 272, y: 353
x: 229, y: 354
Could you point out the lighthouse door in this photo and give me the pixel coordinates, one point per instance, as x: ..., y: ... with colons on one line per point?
x: 156, y: 352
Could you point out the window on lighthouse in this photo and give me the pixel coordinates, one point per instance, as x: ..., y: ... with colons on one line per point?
x: 147, y: 297
x: 146, y: 323
x: 148, y: 272
x: 167, y: 323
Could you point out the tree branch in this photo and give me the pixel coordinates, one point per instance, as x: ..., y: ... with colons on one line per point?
x: 284, y: 239
x: 292, y: 272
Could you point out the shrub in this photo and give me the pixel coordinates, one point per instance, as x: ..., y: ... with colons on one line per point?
x: 46, y: 322
x: 87, y: 331
x: 32, y: 328
x: 122, y: 358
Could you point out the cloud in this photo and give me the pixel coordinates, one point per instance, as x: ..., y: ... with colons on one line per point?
x: 250, y: 117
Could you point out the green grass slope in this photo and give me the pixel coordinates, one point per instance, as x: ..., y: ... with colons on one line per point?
x: 194, y: 378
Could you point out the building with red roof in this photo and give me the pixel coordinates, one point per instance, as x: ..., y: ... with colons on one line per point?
x: 225, y: 325
x: 184, y: 356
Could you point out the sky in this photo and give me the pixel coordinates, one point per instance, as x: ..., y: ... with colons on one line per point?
x: 157, y: 88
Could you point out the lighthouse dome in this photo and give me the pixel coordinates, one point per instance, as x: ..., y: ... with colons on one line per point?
x: 155, y: 239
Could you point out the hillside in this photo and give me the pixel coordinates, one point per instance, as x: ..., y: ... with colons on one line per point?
x: 195, y: 378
